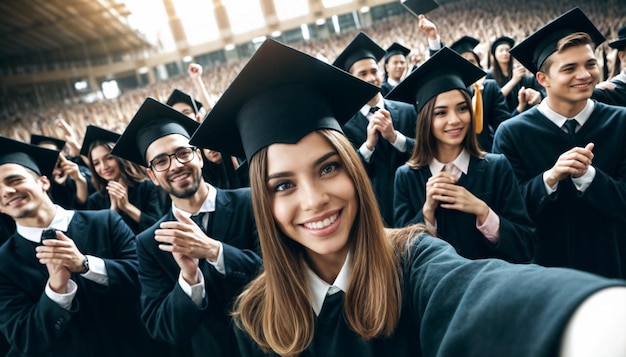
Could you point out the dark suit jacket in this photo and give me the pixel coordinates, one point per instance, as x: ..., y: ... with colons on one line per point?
x: 103, y: 320
x: 168, y: 313
x: 615, y: 96
x: 386, y: 159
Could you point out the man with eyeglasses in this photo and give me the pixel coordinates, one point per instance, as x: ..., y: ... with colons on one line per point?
x: 188, y: 249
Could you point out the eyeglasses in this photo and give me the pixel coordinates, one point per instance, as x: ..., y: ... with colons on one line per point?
x: 182, y: 155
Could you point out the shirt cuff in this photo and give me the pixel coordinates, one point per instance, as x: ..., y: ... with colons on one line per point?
x: 196, y: 292
x: 63, y: 300
x: 434, y: 45
x: 219, y: 263
x: 366, y: 153
x: 549, y: 190
x: 400, y: 143
x: 432, y: 227
x: 97, y: 271
x: 491, y: 228
x: 585, y: 180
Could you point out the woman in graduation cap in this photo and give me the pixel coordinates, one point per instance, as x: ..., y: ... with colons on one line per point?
x: 335, y: 282
x: 470, y: 198
x: 509, y: 76
x: 120, y: 185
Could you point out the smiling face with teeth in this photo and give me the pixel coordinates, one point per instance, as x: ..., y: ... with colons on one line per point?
x: 181, y: 181
x: 313, y: 197
x: 22, y: 191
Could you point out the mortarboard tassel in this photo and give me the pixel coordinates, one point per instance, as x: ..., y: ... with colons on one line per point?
x: 477, y: 103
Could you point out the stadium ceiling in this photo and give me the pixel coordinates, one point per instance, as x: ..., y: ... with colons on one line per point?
x: 48, y: 31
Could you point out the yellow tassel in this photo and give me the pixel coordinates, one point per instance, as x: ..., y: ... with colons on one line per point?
x: 477, y: 103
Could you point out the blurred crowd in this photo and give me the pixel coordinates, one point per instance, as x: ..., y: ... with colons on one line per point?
x: 485, y: 20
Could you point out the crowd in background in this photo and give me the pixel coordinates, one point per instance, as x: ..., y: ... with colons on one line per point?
x: 483, y: 20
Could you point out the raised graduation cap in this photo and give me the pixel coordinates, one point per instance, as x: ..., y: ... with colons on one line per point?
x: 396, y: 49
x: 280, y: 96
x: 152, y: 121
x: 417, y: 7
x: 444, y: 71
x: 36, y: 158
x: 95, y: 133
x: 178, y: 96
x: 620, y: 43
x: 36, y: 139
x: 499, y: 41
x: 534, y: 49
x: 360, y: 48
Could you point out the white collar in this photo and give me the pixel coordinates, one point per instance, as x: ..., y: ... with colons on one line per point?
x: 559, y: 119
x: 392, y: 82
x: 61, y: 222
x: 207, y: 206
x: 365, y: 110
x: 461, y: 162
x: 318, y: 288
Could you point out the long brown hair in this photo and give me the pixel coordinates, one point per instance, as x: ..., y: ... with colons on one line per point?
x: 131, y: 173
x: 275, y: 309
x: 425, y: 148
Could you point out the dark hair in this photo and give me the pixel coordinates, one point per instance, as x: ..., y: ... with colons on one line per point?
x: 130, y: 172
x: 425, y: 143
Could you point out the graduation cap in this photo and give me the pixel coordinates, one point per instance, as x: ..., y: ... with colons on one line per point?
x: 280, y: 96
x: 620, y: 43
x: 179, y: 96
x: 95, y: 133
x: 396, y: 49
x: 444, y: 71
x: 464, y: 44
x: 360, y: 48
x: 40, y: 160
x: 42, y: 139
x: 417, y: 7
x: 534, y: 50
x: 499, y: 41
x: 152, y: 121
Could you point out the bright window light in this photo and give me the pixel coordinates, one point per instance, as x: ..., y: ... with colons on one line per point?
x: 110, y: 89
x: 244, y: 15
x: 289, y: 9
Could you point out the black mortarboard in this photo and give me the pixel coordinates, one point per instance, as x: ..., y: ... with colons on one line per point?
x: 153, y: 120
x: 361, y: 47
x: 280, y: 96
x: 179, y: 96
x: 417, y: 7
x: 534, y: 50
x: 464, y: 44
x: 95, y: 133
x: 42, y: 139
x: 500, y: 40
x: 396, y: 49
x: 444, y: 71
x: 620, y: 43
x: 38, y: 159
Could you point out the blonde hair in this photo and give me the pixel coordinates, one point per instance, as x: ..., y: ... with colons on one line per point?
x: 275, y: 309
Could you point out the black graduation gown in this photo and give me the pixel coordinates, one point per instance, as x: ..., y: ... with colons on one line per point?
x: 528, y: 81
x: 458, y: 307
x: 386, y: 159
x: 145, y: 196
x: 495, y: 111
x: 385, y: 88
x: 168, y: 313
x: 615, y: 96
x: 577, y: 230
x: 490, y: 179
x: 103, y: 320
x: 224, y: 175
